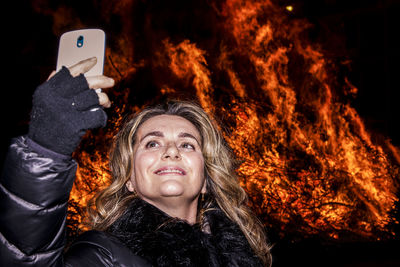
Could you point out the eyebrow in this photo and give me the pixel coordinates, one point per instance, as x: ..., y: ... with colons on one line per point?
x: 160, y: 134
x: 154, y: 133
x: 184, y: 135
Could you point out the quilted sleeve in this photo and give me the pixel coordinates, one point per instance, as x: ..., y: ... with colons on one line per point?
x: 34, y: 189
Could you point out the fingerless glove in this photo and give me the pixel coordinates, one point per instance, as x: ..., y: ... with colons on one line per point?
x: 63, y: 109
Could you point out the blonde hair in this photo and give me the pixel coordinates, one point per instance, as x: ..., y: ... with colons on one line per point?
x: 222, y: 183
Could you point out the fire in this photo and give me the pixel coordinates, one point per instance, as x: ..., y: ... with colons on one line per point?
x: 188, y: 62
x: 338, y: 172
x: 308, y: 162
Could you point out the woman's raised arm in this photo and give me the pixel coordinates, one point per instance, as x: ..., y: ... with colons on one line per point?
x: 38, y: 172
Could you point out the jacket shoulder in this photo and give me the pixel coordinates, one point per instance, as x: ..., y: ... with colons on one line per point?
x: 96, y: 248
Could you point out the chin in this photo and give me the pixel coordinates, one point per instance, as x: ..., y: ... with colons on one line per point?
x: 171, y: 189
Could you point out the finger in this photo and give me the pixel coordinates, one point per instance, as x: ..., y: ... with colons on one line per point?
x: 82, y: 66
x: 100, y: 81
x: 104, y: 100
x: 63, y: 84
x: 89, y: 99
x: 94, y: 118
x: 51, y: 75
x: 85, y: 100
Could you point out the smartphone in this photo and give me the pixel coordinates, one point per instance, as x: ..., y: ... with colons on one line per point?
x: 75, y: 46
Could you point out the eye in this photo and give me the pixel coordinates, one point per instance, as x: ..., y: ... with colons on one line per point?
x: 152, y: 144
x: 188, y: 146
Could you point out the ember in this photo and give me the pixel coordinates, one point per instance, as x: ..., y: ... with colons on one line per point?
x: 308, y: 162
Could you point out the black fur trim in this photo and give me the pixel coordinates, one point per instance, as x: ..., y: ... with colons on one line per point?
x: 166, y: 241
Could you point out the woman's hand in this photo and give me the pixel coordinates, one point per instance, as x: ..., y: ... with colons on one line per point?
x: 94, y: 82
x: 67, y: 105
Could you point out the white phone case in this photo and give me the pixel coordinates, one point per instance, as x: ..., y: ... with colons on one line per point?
x: 78, y: 45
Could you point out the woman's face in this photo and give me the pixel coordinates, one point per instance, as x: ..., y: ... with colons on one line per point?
x: 168, y: 162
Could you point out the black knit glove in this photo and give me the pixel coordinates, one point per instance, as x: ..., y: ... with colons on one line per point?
x: 63, y: 109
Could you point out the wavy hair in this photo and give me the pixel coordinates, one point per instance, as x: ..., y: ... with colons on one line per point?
x: 222, y: 183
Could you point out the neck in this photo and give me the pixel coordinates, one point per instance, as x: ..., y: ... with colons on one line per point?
x: 175, y: 208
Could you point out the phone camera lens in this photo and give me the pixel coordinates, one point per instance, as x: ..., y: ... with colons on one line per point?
x: 79, y: 42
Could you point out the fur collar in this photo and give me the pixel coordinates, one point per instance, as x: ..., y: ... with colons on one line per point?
x: 166, y: 241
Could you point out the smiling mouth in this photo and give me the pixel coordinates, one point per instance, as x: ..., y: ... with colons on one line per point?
x: 166, y: 171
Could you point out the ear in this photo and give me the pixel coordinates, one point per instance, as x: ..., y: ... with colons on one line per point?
x: 129, y: 185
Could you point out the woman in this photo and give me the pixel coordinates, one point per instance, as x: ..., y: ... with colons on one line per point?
x: 174, y: 199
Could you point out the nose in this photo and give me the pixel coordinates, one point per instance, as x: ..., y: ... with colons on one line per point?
x: 171, y: 152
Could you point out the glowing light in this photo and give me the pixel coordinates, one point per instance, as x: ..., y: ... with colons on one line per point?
x: 289, y: 8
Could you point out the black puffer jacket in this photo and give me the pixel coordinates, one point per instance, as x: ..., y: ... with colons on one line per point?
x: 34, y: 190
